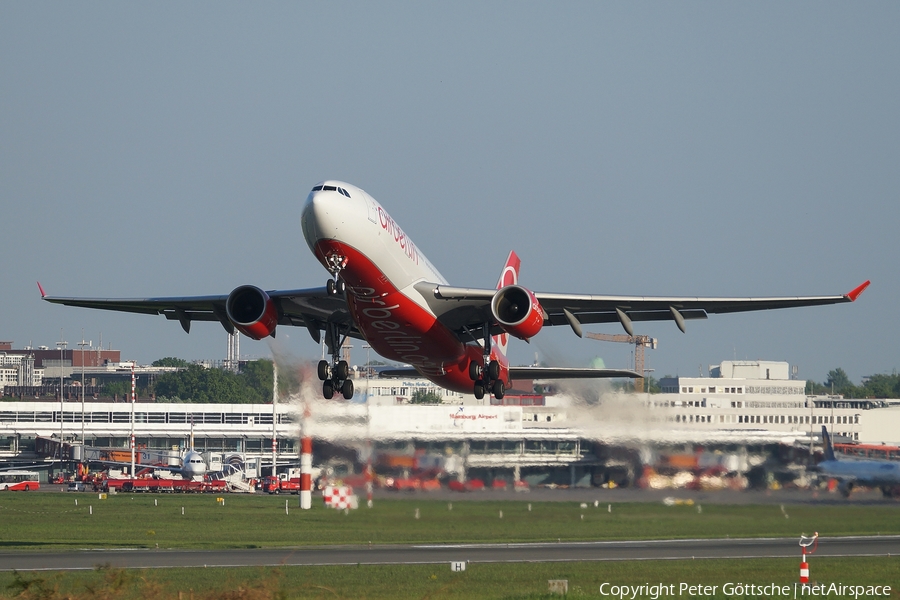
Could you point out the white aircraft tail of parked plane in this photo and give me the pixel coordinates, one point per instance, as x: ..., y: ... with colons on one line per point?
x: 884, y: 474
x: 383, y: 290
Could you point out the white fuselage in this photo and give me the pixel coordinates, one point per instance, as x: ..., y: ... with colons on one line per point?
x: 380, y: 265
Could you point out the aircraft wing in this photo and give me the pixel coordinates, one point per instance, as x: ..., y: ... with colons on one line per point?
x: 467, y: 309
x: 310, y: 308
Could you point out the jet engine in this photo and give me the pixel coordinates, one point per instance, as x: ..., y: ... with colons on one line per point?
x: 252, y: 312
x: 518, y: 311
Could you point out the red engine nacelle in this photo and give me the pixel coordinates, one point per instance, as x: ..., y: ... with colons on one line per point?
x: 518, y: 311
x: 252, y: 312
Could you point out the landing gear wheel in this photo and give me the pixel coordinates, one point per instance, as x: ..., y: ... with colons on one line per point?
x: 479, y: 391
x: 340, y: 287
x: 342, y: 371
x: 499, y: 390
x: 493, y: 370
x: 347, y: 389
x: 330, y: 287
x: 328, y: 390
x: 323, y: 370
x: 474, y: 371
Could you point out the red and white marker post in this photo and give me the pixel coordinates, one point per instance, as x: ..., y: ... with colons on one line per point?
x: 806, y: 542
x: 306, y: 472
x: 133, y: 397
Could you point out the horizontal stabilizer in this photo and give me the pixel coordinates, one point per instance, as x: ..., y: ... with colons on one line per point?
x: 407, y: 372
x: 568, y: 373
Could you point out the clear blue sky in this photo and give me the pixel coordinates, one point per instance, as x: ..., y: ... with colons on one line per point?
x: 727, y: 149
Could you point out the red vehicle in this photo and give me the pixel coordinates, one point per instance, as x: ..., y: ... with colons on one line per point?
x: 472, y: 485
x: 149, y: 484
x: 276, y: 485
x: 19, y: 481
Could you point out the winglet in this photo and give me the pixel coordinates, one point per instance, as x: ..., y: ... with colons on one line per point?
x: 854, y: 294
x: 41, y: 289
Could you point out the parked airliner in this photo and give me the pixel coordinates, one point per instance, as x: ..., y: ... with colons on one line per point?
x: 192, y: 465
x: 884, y: 474
x: 384, y: 290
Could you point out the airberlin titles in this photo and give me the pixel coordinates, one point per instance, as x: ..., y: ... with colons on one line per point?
x: 381, y: 325
x: 406, y: 244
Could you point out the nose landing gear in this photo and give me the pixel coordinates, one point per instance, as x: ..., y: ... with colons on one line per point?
x: 336, y: 285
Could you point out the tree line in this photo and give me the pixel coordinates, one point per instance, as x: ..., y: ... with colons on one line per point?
x: 252, y: 384
x: 873, y: 386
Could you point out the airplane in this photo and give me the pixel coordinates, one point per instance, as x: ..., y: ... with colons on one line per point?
x: 192, y: 465
x: 884, y: 474
x: 382, y: 289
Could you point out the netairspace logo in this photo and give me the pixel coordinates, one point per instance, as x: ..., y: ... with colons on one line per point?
x: 655, y: 591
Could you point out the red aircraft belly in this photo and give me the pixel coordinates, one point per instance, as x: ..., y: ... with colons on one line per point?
x: 396, y: 327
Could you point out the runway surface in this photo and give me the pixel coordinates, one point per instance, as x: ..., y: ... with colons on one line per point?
x: 473, y: 553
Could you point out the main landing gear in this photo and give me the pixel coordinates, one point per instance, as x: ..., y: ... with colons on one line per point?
x: 335, y: 375
x: 335, y: 378
x: 487, y: 380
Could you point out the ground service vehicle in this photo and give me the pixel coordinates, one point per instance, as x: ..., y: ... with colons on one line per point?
x: 276, y: 485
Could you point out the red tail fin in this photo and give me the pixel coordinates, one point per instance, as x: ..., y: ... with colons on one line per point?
x: 510, y: 274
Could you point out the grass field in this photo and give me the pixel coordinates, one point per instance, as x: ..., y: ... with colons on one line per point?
x: 494, y: 581
x: 41, y: 521
x: 53, y: 521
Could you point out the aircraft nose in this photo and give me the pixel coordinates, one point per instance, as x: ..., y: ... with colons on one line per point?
x: 327, y: 214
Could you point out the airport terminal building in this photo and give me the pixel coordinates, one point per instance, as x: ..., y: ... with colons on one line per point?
x: 576, y: 437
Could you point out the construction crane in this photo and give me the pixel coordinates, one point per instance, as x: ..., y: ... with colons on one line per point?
x: 639, y: 341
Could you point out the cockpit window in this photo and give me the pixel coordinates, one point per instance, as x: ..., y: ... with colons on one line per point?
x: 331, y: 188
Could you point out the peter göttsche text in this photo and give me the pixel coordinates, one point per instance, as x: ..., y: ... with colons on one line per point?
x: 771, y: 590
